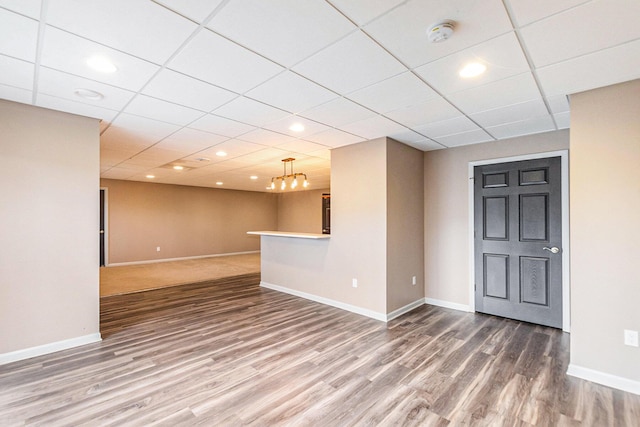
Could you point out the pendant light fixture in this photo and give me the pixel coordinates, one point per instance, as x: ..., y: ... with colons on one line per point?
x: 283, y: 178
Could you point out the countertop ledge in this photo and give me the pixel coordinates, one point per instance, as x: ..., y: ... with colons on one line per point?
x: 290, y: 234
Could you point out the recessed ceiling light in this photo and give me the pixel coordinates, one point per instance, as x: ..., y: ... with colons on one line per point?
x: 221, y: 154
x: 219, y: 183
x: 151, y: 176
x: 296, y: 127
x: 178, y: 167
x: 88, y: 94
x: 102, y: 64
x: 254, y: 177
x: 472, y: 69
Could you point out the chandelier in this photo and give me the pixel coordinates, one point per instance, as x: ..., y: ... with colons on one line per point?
x: 283, y: 178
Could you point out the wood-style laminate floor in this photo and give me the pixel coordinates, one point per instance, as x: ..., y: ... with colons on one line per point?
x: 229, y: 353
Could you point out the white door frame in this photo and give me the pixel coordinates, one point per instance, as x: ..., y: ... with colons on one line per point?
x: 564, y: 161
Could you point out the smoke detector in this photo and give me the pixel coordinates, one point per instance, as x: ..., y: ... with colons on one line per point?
x: 437, y: 33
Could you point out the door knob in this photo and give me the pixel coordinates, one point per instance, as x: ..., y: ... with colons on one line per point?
x: 553, y: 250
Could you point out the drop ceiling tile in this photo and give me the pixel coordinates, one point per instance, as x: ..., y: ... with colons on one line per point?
x: 223, y: 63
x: 221, y: 126
x: 350, y: 64
x: 465, y: 138
x: 526, y: 11
x: 250, y: 111
x: 563, y: 120
x: 322, y: 154
x: 266, y: 137
x: 300, y: 146
x: 426, y: 145
x: 30, y: 8
x: 15, y: 94
x: 163, y: 111
x: 118, y: 173
x: 603, y: 68
x: 502, y: 56
x: 525, y: 127
x: 160, y: 156
x: 334, y: 138
x: 337, y: 112
x: 197, y: 10
x: 285, y: 31
x: 512, y: 90
x: 15, y: 72
x: 18, y: 36
x: 374, y: 127
x: 363, y: 11
x: 447, y: 127
x: 66, y: 52
x: 234, y: 148
x: 74, y: 107
x: 434, y: 110
x: 407, y: 136
x: 268, y: 156
x: 191, y: 141
x: 63, y: 85
x: 558, y: 103
x: 189, y: 92
x: 145, y: 128
x: 291, y: 92
x: 125, y: 25
x: 403, y: 30
x: 585, y: 29
x: 510, y: 113
x: 283, y: 125
x: 403, y: 90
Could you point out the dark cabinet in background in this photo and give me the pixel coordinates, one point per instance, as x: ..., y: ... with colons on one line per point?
x: 326, y: 213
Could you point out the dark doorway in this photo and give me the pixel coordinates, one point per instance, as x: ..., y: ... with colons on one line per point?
x: 518, y: 236
x: 102, y: 222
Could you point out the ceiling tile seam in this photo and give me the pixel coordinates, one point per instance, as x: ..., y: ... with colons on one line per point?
x: 550, y: 16
x: 207, y: 19
x: 582, y: 55
x: 529, y: 59
x: 402, y: 3
x: 39, y: 46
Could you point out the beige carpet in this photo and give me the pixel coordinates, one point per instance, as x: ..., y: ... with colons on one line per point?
x: 134, y: 278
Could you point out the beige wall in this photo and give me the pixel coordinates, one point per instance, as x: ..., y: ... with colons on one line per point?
x: 300, y: 211
x: 358, y: 247
x: 405, y: 225
x: 605, y: 230
x: 446, y: 204
x: 49, y: 277
x: 183, y: 221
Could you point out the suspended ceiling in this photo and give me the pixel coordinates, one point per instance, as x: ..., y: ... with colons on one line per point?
x: 198, y: 77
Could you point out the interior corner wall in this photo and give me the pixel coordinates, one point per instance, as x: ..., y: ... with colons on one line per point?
x: 49, y: 256
x: 605, y: 230
x: 300, y: 211
x: 446, y: 209
x: 183, y: 221
x: 405, y: 225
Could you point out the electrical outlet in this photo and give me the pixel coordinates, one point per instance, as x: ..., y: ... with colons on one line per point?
x: 631, y: 338
x: 413, y: 280
x: 157, y: 248
x: 354, y: 283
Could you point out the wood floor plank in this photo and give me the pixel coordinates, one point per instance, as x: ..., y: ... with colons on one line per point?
x: 229, y: 353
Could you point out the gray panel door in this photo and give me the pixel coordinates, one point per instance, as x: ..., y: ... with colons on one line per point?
x: 518, y: 235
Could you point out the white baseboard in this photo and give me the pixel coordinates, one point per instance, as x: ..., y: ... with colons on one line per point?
x: 603, y: 378
x: 403, y: 310
x: 447, y: 304
x: 153, y: 261
x: 40, y: 350
x: 322, y: 300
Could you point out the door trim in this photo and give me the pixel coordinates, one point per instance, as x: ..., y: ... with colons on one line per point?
x: 564, y: 190
x: 106, y: 225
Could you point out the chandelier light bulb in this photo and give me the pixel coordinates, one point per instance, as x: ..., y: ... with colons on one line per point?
x: 273, y: 185
x: 283, y: 185
x: 305, y: 184
x: 294, y: 184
